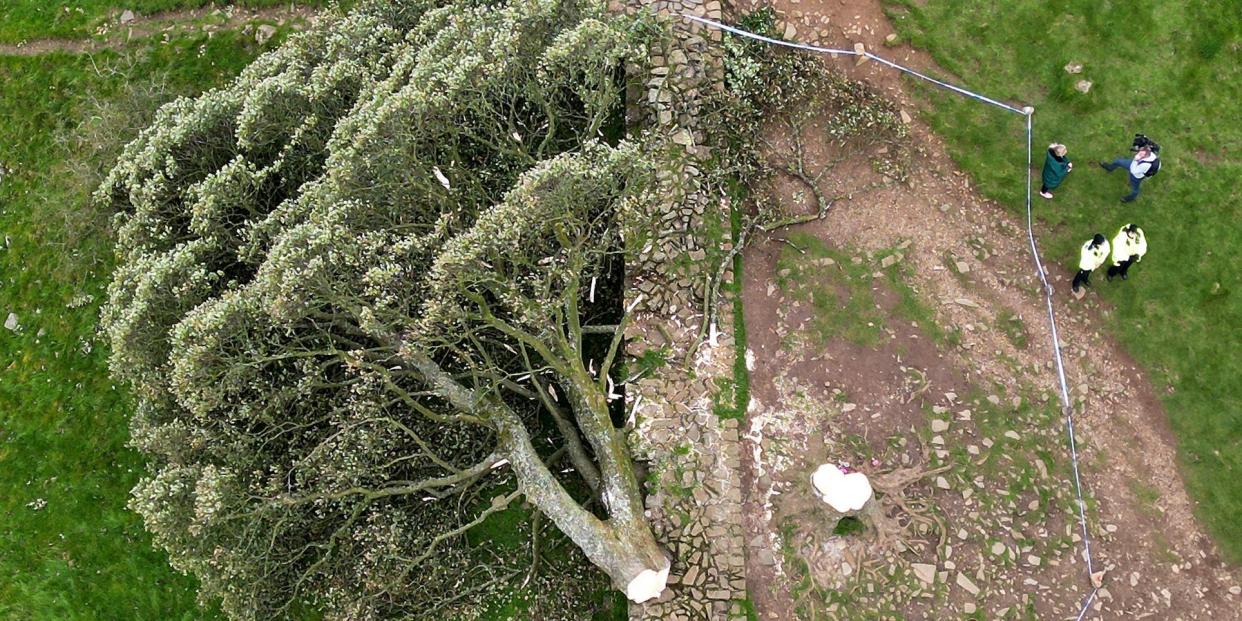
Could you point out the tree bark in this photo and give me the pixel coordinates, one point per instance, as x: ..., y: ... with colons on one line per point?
x: 623, y: 545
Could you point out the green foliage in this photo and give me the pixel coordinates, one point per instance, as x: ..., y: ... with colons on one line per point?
x: 1172, y: 72
x: 767, y: 85
x: 849, y: 526
x: 411, y: 187
x: 759, y: 79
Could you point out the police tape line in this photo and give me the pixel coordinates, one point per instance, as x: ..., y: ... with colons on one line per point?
x: 1066, y: 405
x: 881, y: 60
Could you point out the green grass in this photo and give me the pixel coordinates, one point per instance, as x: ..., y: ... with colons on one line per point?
x: 841, y: 288
x: 69, y: 549
x: 732, y: 396
x: 22, y: 20
x: 1013, y: 328
x: 1174, y: 72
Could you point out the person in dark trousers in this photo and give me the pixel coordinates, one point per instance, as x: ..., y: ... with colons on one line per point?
x: 1056, y: 165
x: 1143, y: 163
x: 1129, y: 246
x: 1092, y: 256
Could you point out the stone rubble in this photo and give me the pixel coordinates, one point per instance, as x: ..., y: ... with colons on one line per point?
x: 694, y: 495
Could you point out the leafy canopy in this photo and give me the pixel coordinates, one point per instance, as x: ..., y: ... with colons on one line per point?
x: 413, y: 182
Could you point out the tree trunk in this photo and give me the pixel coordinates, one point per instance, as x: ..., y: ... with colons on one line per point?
x: 622, y: 546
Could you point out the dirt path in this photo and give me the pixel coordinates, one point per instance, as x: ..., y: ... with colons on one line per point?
x: 114, y: 35
x: 1160, y: 564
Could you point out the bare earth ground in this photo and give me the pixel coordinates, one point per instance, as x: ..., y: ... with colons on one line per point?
x: 1007, y: 522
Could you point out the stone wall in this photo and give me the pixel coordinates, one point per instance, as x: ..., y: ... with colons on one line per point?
x: 693, y: 482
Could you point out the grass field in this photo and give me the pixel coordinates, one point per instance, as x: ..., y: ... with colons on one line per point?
x: 22, y: 20
x: 69, y: 549
x: 1174, y: 72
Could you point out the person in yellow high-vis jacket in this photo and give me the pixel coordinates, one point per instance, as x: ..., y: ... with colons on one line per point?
x: 1092, y: 256
x: 1129, y: 246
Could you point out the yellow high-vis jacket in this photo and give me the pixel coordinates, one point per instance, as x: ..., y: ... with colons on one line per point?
x: 1092, y: 257
x: 1124, y: 247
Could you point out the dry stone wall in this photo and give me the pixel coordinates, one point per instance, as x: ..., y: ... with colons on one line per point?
x: 692, y: 455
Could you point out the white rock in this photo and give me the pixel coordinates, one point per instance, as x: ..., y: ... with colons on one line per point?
x: 966, y: 583
x: 843, y: 492
x: 127, y: 17
x: 939, y: 426
x: 648, y: 584
x: 11, y: 322
x: 924, y: 572
x: 265, y: 33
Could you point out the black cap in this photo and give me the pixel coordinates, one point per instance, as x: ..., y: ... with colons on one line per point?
x: 1098, y: 239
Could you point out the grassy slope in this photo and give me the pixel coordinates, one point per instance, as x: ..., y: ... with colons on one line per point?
x: 62, y: 422
x: 28, y: 19
x: 1172, y: 71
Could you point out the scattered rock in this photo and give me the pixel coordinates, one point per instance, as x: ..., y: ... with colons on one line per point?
x: 924, y: 572
x: 942, y: 483
x: 11, y: 322
x: 907, y: 119
x: 1073, y: 68
x: 965, y: 582
x: 127, y: 17
x: 891, y: 38
x: 890, y: 260
x: 962, y: 267
x: 998, y: 548
x: 1041, y: 467
x: 939, y: 426
x: 1012, y: 435
x: 1082, y: 86
x: 264, y: 33
x: 790, y: 32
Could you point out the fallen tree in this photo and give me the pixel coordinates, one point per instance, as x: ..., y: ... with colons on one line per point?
x: 368, y: 297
